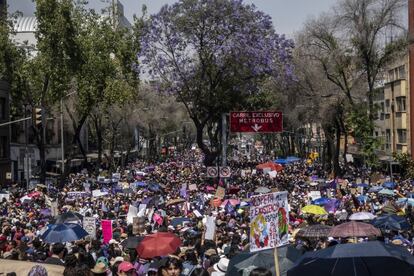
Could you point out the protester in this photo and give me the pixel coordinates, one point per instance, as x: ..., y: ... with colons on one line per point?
x: 176, y: 197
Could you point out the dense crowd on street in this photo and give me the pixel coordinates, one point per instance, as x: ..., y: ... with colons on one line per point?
x: 178, y: 189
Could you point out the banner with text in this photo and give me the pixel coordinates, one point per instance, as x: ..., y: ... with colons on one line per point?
x: 269, y: 220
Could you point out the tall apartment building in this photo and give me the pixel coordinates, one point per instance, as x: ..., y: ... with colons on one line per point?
x: 393, y: 118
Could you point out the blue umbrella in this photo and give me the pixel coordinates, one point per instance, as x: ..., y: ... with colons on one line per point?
x: 281, y: 161
x: 404, y: 200
x: 64, y: 232
x: 364, y: 185
x: 140, y: 184
x: 389, y: 185
x: 362, y: 198
x: 154, y: 187
x: 386, y: 192
x: 391, y: 222
x: 293, y: 159
x: 375, y: 189
x: 321, y: 201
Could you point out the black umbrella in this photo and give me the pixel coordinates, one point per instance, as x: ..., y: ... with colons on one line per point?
x: 132, y: 242
x: 363, y: 259
x: 287, y: 257
x: 391, y: 222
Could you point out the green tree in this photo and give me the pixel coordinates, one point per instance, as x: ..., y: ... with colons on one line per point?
x: 106, y: 79
x: 41, y: 75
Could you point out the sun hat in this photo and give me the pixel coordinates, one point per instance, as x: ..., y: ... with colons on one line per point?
x: 103, y: 260
x: 117, y: 259
x: 221, y: 267
x: 125, y: 267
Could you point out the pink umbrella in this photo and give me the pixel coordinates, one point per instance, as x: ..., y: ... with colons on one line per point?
x: 233, y: 202
x: 34, y: 194
x: 210, y: 188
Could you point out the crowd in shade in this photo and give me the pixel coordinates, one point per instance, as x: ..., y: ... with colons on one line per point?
x: 151, y: 219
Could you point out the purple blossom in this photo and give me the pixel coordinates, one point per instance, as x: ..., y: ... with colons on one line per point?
x: 213, y: 46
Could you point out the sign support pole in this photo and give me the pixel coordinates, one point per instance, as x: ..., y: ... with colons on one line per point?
x: 224, y: 143
x: 276, y: 258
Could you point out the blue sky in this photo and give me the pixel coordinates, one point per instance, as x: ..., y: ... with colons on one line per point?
x: 288, y: 15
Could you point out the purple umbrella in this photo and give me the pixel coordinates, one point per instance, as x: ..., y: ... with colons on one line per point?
x: 46, y: 212
x: 331, y: 205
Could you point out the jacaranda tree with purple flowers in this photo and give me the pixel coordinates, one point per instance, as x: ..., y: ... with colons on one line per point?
x: 213, y: 54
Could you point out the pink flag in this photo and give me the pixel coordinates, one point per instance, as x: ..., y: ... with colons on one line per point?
x: 106, y: 230
x: 157, y: 218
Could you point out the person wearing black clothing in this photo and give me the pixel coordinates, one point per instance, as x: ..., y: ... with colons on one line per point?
x: 58, y: 252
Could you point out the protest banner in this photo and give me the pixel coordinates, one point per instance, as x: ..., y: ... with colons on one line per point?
x: 272, y: 174
x: 89, y: 224
x: 315, y: 195
x: 54, y: 208
x: 106, y: 230
x: 269, y: 220
x: 98, y: 193
x: 210, y: 228
x: 192, y: 187
x: 141, y: 210
x: 132, y: 212
x: 6, y: 196
x: 220, y: 192
x: 77, y: 194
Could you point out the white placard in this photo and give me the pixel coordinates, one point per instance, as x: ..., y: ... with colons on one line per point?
x: 89, y: 224
x: 272, y: 174
x: 54, y: 208
x: 315, y: 194
x: 98, y: 193
x: 269, y: 221
x: 132, y: 212
x: 6, y: 196
x: 210, y: 228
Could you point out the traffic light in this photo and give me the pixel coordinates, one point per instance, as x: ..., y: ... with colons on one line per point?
x: 37, y: 117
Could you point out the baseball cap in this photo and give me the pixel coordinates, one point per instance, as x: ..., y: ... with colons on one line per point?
x: 125, y: 267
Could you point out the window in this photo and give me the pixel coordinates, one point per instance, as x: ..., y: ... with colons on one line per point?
x: 401, y: 72
x: 382, y: 107
x: 402, y: 136
x: 2, y: 108
x: 376, y: 133
x: 400, y: 104
x: 3, y: 147
x: 388, y: 136
x: 390, y: 75
x: 387, y: 106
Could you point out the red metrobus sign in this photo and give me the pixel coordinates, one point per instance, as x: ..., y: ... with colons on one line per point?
x: 256, y: 121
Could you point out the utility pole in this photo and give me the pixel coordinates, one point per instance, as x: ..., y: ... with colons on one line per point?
x: 26, y: 152
x: 62, y: 142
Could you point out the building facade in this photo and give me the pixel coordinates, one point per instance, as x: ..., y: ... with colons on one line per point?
x: 5, y: 164
x: 393, y: 110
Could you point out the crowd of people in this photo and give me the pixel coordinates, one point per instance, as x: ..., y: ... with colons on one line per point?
x: 180, y: 188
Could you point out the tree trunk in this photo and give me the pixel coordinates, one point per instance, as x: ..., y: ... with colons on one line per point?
x: 336, y: 167
x: 97, y: 122
x: 209, y: 156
